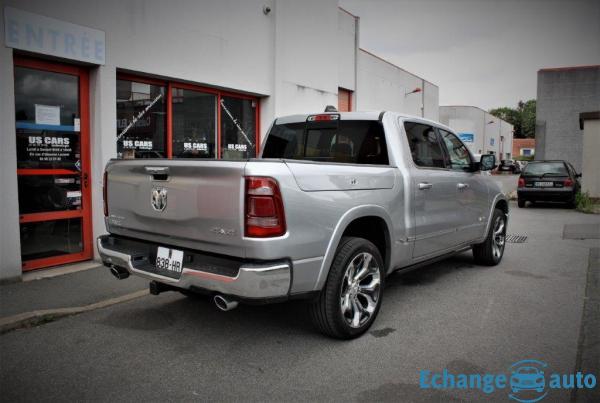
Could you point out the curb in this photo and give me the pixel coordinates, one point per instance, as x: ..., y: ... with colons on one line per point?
x: 33, y: 318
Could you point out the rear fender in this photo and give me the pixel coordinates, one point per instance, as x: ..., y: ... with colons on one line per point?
x: 343, y: 223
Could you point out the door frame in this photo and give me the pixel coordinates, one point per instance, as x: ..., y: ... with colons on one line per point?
x: 84, y: 141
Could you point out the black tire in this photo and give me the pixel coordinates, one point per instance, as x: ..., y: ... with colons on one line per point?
x: 326, y: 312
x: 486, y: 253
x: 521, y: 203
x: 572, y: 203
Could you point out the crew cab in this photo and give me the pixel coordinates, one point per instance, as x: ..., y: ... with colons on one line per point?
x: 334, y: 204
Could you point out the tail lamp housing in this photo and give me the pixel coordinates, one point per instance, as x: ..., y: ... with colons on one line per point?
x: 568, y: 182
x: 264, y: 213
x: 521, y: 183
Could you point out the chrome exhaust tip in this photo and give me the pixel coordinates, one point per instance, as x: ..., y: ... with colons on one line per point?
x: 224, y: 303
x: 119, y: 272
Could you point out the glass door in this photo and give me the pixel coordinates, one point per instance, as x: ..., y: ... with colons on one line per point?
x: 53, y: 163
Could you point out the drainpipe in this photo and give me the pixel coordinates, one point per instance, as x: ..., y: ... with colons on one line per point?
x: 356, y: 50
x: 423, y: 98
x: 484, y: 130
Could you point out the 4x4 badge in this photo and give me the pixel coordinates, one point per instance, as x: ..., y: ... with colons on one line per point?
x: 158, y: 199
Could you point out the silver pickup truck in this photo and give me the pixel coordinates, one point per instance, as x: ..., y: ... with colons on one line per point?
x: 335, y: 203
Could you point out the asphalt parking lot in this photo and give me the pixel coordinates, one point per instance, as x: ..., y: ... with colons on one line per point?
x: 452, y: 314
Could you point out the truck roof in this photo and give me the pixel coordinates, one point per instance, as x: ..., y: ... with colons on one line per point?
x: 360, y: 115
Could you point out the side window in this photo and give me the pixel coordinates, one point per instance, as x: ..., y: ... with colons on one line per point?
x: 425, y: 147
x: 458, y: 153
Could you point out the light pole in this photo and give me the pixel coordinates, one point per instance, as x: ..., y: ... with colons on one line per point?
x: 485, y: 130
x: 416, y: 91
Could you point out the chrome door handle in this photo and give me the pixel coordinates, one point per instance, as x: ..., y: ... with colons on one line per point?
x: 425, y: 185
x: 462, y: 186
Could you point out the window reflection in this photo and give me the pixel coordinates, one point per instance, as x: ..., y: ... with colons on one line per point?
x: 37, y: 87
x: 51, y: 238
x: 238, y: 128
x: 43, y: 193
x: 194, y: 124
x: 141, y: 116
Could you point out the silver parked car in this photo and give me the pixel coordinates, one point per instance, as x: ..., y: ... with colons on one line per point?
x: 336, y: 202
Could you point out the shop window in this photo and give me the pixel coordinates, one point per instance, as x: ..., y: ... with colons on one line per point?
x: 194, y: 124
x: 159, y: 119
x: 141, y: 118
x: 238, y: 128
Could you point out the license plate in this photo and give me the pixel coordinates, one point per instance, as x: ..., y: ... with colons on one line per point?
x: 544, y: 184
x: 169, y: 260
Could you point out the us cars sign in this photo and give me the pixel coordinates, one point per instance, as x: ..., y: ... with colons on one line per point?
x: 49, y: 36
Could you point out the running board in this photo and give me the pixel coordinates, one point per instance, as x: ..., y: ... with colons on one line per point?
x: 427, y: 262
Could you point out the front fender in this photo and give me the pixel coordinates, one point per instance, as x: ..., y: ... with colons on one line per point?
x: 343, y: 223
x: 497, y: 198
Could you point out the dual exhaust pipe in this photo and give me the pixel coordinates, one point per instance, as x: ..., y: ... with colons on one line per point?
x: 225, y: 303
x: 119, y: 272
x: 222, y: 302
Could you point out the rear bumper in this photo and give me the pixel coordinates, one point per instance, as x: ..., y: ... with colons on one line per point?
x: 541, y: 194
x: 235, y: 277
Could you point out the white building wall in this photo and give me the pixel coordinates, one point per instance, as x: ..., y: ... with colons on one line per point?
x: 384, y: 86
x: 378, y: 84
x: 465, y: 119
x: 203, y: 42
x: 431, y: 100
x: 491, y: 136
x: 347, y: 30
x: 10, y: 241
x: 306, y: 72
x: 507, y: 133
x: 485, y: 127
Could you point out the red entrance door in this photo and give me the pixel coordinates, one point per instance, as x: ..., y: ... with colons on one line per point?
x: 53, y: 163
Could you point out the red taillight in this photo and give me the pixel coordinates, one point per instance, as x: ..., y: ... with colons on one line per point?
x: 264, y: 208
x: 105, y: 193
x: 568, y: 183
x: 521, y: 183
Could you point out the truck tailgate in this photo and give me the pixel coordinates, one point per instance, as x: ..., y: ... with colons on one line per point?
x: 202, y: 209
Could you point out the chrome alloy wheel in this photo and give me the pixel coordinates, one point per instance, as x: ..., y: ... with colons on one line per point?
x: 360, y: 289
x: 499, y: 237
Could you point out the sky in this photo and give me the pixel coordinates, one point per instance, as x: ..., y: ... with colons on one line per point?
x: 484, y: 53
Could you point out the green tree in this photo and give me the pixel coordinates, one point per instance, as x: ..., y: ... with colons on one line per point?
x: 509, y: 115
x: 522, y: 118
x: 528, y: 119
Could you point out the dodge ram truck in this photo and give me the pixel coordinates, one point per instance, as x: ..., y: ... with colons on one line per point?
x: 334, y: 203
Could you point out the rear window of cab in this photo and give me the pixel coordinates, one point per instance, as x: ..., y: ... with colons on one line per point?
x: 346, y: 141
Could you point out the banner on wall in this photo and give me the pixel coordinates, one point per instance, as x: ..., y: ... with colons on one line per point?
x: 467, y: 137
